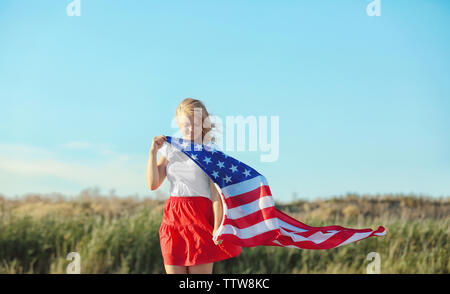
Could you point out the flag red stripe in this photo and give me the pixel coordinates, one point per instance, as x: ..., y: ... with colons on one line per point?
x: 331, y: 242
x: 248, y: 197
x: 263, y: 191
x: 266, y: 239
x: 272, y: 212
x: 292, y: 221
x: 252, y: 219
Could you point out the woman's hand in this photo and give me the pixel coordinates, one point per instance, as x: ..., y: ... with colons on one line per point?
x: 215, y: 241
x: 157, y: 143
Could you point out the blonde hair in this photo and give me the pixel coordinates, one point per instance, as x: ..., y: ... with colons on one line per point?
x: 188, y: 106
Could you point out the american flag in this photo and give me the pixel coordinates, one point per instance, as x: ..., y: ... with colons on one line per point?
x: 250, y: 217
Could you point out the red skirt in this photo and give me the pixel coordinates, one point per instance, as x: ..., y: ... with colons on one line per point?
x: 186, y: 233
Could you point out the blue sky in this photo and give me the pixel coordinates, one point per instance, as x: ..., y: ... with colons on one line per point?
x: 363, y: 102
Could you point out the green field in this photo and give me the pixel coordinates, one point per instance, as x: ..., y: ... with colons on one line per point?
x: 120, y: 235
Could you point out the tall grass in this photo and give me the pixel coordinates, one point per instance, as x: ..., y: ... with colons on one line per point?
x: 120, y: 235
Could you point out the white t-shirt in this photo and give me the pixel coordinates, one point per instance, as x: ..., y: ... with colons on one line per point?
x: 185, y: 176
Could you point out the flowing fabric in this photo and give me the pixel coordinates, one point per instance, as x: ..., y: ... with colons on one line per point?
x: 250, y: 217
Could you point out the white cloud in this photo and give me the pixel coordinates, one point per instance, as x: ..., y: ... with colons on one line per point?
x: 102, y: 149
x: 77, y: 145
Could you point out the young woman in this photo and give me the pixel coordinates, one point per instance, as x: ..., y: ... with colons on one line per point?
x: 193, y: 211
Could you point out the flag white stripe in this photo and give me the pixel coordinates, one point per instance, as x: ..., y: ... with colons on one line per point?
x: 380, y: 234
x: 355, y: 237
x: 272, y: 224
x: 288, y: 246
x: 317, y: 237
x: 244, y: 186
x: 249, y: 208
x: 320, y: 237
x: 252, y: 231
x: 288, y: 226
x: 294, y: 237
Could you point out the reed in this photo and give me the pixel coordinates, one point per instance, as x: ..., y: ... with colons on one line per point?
x: 120, y: 235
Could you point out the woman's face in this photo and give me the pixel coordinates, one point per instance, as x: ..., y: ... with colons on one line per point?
x: 191, y: 130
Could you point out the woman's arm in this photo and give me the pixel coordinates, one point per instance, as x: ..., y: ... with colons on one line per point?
x: 156, y: 172
x: 217, y: 208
